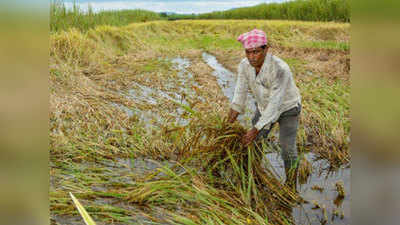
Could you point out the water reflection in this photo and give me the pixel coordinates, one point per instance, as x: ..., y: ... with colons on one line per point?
x: 323, y: 205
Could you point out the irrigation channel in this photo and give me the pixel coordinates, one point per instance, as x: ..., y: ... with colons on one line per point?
x: 322, y: 203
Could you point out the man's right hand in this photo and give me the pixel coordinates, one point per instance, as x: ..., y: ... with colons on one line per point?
x: 232, y: 116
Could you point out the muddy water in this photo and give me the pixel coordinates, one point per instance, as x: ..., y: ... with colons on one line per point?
x: 127, y: 170
x: 227, y: 81
x: 136, y: 213
x: 119, y: 171
x: 178, y: 90
x: 330, y: 209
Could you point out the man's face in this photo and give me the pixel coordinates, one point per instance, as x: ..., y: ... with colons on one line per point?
x: 256, y: 56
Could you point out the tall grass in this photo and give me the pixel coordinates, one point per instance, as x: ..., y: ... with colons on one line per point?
x: 308, y: 10
x: 62, y: 18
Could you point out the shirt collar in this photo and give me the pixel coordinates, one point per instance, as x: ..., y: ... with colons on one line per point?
x: 266, y: 62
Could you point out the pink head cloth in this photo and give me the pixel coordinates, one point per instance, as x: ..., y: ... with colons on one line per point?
x: 253, y: 39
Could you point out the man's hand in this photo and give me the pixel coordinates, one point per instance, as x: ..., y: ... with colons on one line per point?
x: 232, y: 116
x: 250, y: 136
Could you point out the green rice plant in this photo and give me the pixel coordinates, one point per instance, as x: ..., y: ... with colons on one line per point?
x: 327, y: 45
x: 307, y: 10
x: 62, y: 18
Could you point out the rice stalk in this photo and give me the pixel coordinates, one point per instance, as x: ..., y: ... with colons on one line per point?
x: 85, y: 216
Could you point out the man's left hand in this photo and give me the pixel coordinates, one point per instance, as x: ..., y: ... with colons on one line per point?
x: 250, y: 136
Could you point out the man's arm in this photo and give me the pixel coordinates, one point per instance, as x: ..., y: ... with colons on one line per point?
x: 240, y: 95
x: 271, y: 112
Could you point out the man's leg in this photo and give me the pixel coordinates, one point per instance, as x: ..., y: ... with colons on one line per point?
x: 288, y: 124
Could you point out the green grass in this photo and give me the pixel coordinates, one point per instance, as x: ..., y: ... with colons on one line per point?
x: 62, y: 19
x: 326, y: 45
x: 306, y: 10
x: 205, y: 42
x: 297, y: 65
x: 212, y: 42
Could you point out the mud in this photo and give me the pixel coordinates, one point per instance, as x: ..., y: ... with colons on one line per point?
x: 178, y: 92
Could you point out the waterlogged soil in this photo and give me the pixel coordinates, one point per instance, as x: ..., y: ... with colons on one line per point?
x: 116, y: 173
x: 227, y: 82
x: 137, y: 215
x: 323, y: 204
x: 179, y: 91
x: 105, y: 175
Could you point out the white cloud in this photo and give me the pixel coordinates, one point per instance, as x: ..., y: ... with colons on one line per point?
x: 171, y: 6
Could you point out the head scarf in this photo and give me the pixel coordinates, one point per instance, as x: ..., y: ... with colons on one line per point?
x: 253, y: 39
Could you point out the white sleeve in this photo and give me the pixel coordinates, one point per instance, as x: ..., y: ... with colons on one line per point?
x: 271, y: 113
x: 241, y: 89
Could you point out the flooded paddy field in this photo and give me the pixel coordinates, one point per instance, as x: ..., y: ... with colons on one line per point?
x: 138, y: 131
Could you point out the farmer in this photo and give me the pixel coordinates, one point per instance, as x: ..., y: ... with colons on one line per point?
x: 277, y: 98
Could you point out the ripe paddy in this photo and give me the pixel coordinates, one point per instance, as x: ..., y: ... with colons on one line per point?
x: 138, y: 131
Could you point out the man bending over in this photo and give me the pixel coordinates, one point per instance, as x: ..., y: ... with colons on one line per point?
x: 277, y: 98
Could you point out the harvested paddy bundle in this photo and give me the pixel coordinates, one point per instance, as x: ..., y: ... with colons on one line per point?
x: 220, y: 174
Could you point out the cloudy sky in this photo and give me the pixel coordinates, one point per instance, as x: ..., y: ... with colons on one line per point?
x: 178, y: 6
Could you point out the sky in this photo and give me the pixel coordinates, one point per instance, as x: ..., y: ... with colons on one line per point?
x: 177, y: 6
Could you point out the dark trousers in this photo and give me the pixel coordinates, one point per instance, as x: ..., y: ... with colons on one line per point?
x: 288, y: 124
